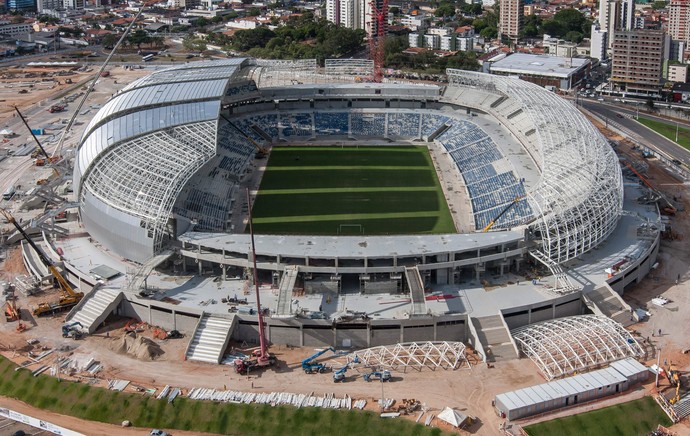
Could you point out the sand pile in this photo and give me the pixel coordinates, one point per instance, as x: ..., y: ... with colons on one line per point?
x: 138, y: 346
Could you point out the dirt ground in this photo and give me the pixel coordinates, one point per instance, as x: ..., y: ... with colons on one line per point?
x: 469, y: 390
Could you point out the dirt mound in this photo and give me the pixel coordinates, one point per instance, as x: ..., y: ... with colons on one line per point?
x: 138, y: 346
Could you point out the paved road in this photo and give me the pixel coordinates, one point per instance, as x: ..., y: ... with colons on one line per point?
x: 628, y: 123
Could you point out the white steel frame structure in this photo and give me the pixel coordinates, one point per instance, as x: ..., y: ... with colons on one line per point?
x: 432, y: 355
x: 579, y: 197
x: 574, y: 344
x: 363, y: 68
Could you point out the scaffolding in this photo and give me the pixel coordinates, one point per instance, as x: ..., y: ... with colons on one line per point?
x: 430, y: 355
x: 579, y: 196
x: 564, y: 346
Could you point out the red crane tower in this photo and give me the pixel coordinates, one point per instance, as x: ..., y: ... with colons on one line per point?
x: 377, y: 36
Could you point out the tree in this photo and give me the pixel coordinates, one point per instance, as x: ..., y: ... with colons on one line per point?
x: 660, y: 4
x: 445, y: 10
x: 573, y: 36
x: 109, y: 41
x: 254, y: 12
x: 650, y: 104
x: 138, y: 38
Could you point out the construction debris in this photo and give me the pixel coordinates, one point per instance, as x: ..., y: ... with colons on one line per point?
x: 360, y: 404
x: 328, y: 401
x: 140, y: 347
x: 118, y: 385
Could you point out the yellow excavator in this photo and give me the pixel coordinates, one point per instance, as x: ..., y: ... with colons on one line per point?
x: 68, y: 296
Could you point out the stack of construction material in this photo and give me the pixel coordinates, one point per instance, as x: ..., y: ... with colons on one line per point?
x: 328, y: 401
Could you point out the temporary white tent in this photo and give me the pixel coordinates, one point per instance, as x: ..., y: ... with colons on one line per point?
x: 453, y: 417
x: 6, y: 132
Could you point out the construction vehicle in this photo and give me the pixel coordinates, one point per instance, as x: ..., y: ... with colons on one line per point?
x: 261, y: 152
x: 40, y: 161
x: 71, y: 330
x: 339, y: 375
x: 310, y: 367
x: 383, y: 376
x: 134, y: 326
x: 161, y: 334
x: 261, y: 357
x: 506, y: 209
x: 56, y: 108
x: 69, y: 297
x: 12, y: 312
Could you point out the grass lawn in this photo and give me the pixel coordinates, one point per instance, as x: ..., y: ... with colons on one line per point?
x: 669, y: 131
x: 351, y: 190
x: 634, y: 418
x: 97, y: 404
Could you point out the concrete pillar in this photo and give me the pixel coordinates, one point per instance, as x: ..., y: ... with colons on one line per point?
x: 223, y: 268
x: 200, y: 263
x: 442, y: 274
x: 301, y: 335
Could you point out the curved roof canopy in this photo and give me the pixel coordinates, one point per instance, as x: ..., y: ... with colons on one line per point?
x: 567, y: 345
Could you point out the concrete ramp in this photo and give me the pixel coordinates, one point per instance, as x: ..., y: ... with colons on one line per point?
x: 610, y: 304
x: 287, y: 284
x: 33, y: 262
x: 492, y: 332
x: 138, y: 281
x: 210, y: 338
x: 416, y: 285
x: 95, y: 307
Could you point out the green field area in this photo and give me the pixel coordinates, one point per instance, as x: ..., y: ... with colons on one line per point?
x: 97, y: 404
x: 351, y: 191
x: 635, y: 418
x: 668, y: 130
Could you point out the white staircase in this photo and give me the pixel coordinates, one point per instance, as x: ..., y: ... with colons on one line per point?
x: 493, y: 334
x: 95, y: 307
x: 287, y: 284
x: 417, y: 298
x: 210, y: 338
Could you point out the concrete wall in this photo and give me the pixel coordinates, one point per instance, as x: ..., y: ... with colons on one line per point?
x: 567, y: 305
x: 165, y: 317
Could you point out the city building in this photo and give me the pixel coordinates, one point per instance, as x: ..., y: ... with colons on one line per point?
x: 598, y: 41
x: 679, y: 20
x: 548, y: 71
x: 637, y: 60
x: 9, y: 29
x: 678, y: 73
x: 21, y: 5
x: 559, y: 47
x: 616, y: 15
x: 510, y: 19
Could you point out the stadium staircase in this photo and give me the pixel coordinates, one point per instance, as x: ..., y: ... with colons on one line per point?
x: 138, y: 280
x: 95, y: 307
x: 494, y: 336
x: 287, y: 284
x: 563, y: 285
x: 416, y: 285
x: 682, y: 407
x: 608, y: 303
x: 210, y: 338
x: 440, y: 131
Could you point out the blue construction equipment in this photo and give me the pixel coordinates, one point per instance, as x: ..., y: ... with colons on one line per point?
x: 339, y: 375
x: 310, y: 367
x: 70, y: 330
x: 384, y: 376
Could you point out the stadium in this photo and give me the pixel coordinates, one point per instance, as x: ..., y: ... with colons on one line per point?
x: 486, y: 210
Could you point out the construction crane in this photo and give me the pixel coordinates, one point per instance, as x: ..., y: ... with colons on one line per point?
x: 68, y: 297
x: 261, y: 152
x: 261, y: 357
x: 40, y: 161
x: 339, y: 375
x: 377, y: 36
x: 383, y: 375
x: 506, y: 209
x: 12, y: 312
x: 310, y: 367
x: 71, y: 331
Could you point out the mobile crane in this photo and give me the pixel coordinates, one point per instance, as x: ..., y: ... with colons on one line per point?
x: 68, y: 297
x: 261, y: 357
x: 506, y: 209
x: 310, y: 367
x: 12, y: 312
x: 261, y: 152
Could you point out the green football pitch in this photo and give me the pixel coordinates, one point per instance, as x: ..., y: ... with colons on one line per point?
x: 350, y: 190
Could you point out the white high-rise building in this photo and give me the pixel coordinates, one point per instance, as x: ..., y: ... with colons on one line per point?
x: 616, y: 15
x: 598, y: 41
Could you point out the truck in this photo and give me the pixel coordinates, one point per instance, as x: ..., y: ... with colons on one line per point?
x: 9, y: 193
x: 56, y: 108
x: 148, y: 57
